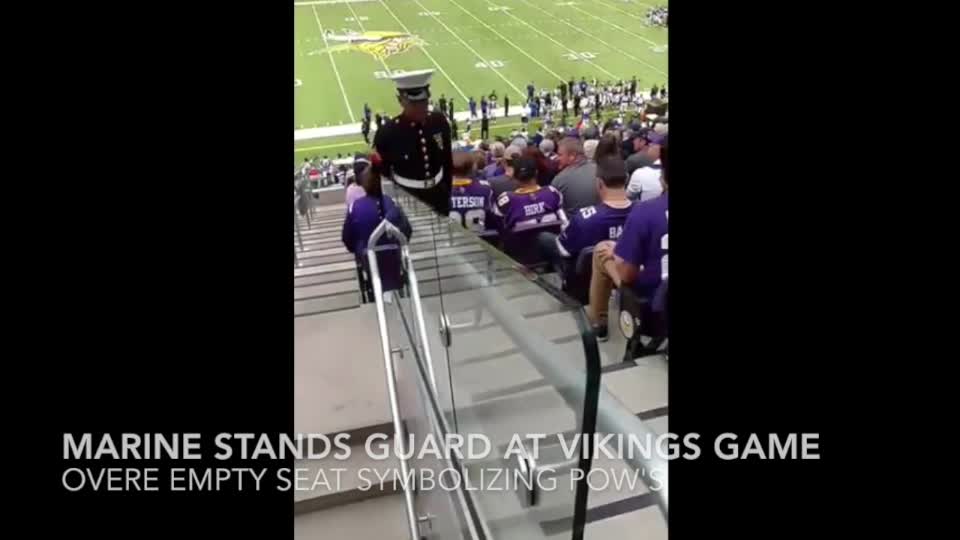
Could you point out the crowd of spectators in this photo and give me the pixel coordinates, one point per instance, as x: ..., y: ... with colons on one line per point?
x: 603, y: 187
x: 657, y: 16
x: 591, y: 181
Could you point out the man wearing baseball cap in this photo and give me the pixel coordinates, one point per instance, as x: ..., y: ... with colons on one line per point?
x: 415, y: 146
x: 645, y: 182
x: 529, y: 203
x: 637, y: 142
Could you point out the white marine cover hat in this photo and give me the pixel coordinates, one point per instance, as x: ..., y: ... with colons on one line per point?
x: 414, y: 85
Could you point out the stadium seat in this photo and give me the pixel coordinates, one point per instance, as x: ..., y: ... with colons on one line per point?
x: 521, y: 243
x: 366, y: 286
x: 392, y: 275
x: 643, y: 317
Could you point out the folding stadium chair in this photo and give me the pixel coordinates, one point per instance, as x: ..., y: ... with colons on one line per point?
x: 393, y: 275
x: 363, y: 281
x: 643, y: 317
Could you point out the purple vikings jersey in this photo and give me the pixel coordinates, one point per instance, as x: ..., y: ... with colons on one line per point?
x: 530, y: 205
x: 471, y: 202
x: 590, y: 225
x: 363, y: 217
x: 644, y: 243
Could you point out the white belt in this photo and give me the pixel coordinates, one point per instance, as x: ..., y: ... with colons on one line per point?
x: 418, y: 184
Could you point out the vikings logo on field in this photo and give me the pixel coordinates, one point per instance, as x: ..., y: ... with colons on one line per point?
x: 380, y: 45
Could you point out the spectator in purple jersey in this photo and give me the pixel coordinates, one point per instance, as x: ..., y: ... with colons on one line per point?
x: 639, y: 257
x: 365, y: 214
x: 592, y: 224
x: 529, y: 203
x: 471, y: 200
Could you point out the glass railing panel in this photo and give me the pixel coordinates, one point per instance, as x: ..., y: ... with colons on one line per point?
x: 519, y: 360
x: 442, y: 514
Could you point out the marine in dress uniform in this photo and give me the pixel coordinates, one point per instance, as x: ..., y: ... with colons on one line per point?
x: 415, y: 146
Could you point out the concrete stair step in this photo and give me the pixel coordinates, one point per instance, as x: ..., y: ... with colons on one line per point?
x: 640, y: 388
x: 332, y: 482
x: 330, y: 277
x: 424, y: 267
x: 462, y: 252
x: 616, y: 490
x: 324, y: 290
x: 338, y: 372
x: 382, y: 518
x: 331, y: 224
x: 321, y: 306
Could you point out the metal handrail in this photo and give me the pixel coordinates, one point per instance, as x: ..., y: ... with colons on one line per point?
x: 398, y: 429
x: 392, y: 231
x: 437, y: 422
x: 296, y: 223
x: 441, y: 428
x: 612, y: 415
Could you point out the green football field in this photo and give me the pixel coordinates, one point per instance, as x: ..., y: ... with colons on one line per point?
x: 344, y: 50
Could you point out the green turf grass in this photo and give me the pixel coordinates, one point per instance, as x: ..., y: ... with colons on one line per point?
x: 535, y: 40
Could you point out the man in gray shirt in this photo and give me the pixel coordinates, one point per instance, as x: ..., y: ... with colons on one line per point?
x: 577, y: 179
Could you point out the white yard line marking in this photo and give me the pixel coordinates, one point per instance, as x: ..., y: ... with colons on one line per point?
x: 598, y: 40
x: 622, y: 29
x: 335, y: 72
x: 467, y: 45
x: 422, y: 48
x: 507, y: 40
x: 557, y: 42
x: 328, y: 2
x: 620, y: 10
x: 364, y: 30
